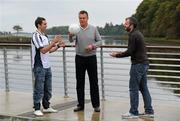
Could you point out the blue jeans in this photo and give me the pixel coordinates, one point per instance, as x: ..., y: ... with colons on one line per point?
x: 42, y: 87
x: 138, y: 82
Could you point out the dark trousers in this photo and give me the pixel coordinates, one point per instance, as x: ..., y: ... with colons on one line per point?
x: 90, y: 64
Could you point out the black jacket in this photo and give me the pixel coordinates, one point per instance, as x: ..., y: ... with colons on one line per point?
x: 136, y: 48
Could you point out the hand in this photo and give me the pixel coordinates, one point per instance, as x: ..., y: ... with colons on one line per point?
x: 71, y: 35
x: 62, y: 44
x: 114, y: 54
x: 89, y: 48
x: 56, y: 39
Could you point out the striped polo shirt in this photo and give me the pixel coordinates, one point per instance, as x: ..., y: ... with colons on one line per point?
x: 39, y: 40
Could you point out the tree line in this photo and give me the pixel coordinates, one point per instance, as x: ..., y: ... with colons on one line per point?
x: 17, y: 28
x: 108, y: 29
x: 159, y: 18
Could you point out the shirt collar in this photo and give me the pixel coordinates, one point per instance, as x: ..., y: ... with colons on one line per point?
x: 85, y: 28
x: 135, y: 29
x: 40, y: 32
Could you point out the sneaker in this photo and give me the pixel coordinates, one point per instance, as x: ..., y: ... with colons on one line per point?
x: 78, y: 109
x: 129, y: 115
x: 38, y: 113
x: 149, y: 115
x: 50, y: 110
x: 97, y: 109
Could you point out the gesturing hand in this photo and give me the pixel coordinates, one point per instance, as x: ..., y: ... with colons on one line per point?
x: 71, y: 35
x: 114, y: 54
x: 62, y: 44
x: 89, y: 48
x: 56, y: 39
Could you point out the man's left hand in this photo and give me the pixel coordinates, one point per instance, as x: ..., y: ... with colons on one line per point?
x: 89, y: 48
x: 114, y: 54
x: 61, y: 44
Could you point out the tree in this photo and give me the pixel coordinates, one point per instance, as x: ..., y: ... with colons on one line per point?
x: 17, y: 28
x: 108, y: 29
x: 159, y: 18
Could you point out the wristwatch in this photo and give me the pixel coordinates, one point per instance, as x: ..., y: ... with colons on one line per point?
x: 58, y: 46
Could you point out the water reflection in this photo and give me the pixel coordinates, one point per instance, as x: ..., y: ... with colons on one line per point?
x: 113, y: 41
x: 107, y: 40
x: 139, y: 119
x: 95, y: 116
x: 80, y: 116
x: 147, y: 119
x: 20, y: 55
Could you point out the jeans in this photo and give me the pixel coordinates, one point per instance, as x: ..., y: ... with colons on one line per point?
x: 138, y: 82
x: 90, y: 64
x: 42, y: 87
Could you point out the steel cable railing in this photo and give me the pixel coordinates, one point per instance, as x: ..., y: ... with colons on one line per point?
x: 113, y: 74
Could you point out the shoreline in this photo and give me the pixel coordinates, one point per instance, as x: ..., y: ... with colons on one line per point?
x: 149, y: 40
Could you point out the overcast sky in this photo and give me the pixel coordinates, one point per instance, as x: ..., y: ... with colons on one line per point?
x: 63, y: 12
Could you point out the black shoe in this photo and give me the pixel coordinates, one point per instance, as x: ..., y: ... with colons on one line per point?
x: 78, y: 109
x: 97, y: 109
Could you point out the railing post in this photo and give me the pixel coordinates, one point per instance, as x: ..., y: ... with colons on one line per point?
x: 6, y: 70
x: 102, y: 74
x: 65, y: 74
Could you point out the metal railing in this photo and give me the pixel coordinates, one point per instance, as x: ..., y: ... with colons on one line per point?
x: 163, y: 75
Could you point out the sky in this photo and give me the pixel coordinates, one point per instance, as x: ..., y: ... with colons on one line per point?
x: 63, y: 12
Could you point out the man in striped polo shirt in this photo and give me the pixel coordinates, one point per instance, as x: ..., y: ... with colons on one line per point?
x: 41, y: 47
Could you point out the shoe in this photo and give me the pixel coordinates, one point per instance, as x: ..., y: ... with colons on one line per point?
x: 97, y: 109
x: 38, y: 113
x: 149, y: 115
x: 129, y: 115
x: 50, y: 110
x: 78, y: 109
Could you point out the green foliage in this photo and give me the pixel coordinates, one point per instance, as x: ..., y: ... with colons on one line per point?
x: 17, y: 28
x: 108, y: 29
x: 159, y: 18
x: 63, y: 30
x: 15, y: 39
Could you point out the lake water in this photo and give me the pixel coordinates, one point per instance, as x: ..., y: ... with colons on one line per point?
x: 116, y: 73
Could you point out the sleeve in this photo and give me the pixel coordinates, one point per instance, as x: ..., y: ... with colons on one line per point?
x: 71, y: 39
x: 98, y: 39
x: 131, y: 48
x: 37, y: 41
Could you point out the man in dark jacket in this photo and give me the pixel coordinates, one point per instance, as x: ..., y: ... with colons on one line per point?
x: 138, y: 72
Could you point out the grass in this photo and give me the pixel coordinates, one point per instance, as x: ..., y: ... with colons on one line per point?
x: 157, y: 41
x: 15, y: 39
x: 162, y: 41
x: 149, y: 40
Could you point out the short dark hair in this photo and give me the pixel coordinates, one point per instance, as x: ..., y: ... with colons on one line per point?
x: 133, y: 21
x: 83, y: 12
x: 39, y: 21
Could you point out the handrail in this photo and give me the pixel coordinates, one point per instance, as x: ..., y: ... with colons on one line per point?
x: 106, y: 73
x: 104, y: 46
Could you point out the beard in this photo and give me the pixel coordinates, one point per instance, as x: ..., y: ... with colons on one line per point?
x: 128, y: 29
